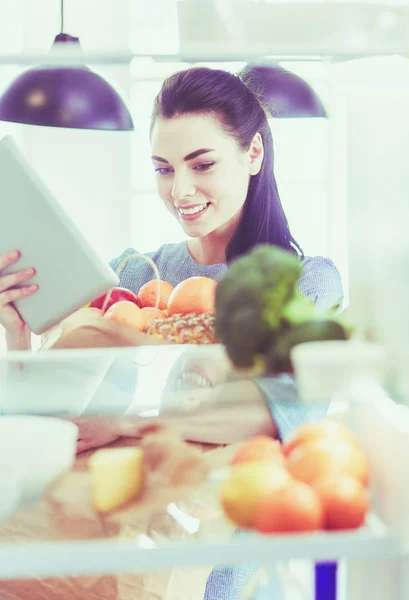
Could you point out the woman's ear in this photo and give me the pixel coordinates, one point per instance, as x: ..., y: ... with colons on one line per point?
x: 256, y: 154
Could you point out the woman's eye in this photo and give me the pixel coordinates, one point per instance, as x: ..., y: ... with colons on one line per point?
x: 163, y: 171
x: 204, y: 166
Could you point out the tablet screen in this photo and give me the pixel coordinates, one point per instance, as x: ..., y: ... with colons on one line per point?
x: 69, y: 271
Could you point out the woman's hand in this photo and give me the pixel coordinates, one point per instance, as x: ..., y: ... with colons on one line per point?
x: 17, y: 332
x: 95, y: 432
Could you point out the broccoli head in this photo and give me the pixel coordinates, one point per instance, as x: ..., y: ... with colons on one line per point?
x: 261, y: 314
x: 250, y: 298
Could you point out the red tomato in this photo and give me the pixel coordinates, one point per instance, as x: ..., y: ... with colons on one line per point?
x: 246, y: 485
x: 344, y: 499
x: 295, y: 508
x: 261, y: 449
x: 315, y: 459
x: 317, y: 430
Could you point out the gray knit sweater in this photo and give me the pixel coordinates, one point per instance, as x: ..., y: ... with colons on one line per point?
x: 320, y: 279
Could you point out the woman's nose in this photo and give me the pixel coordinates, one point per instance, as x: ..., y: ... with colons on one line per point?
x: 183, y: 186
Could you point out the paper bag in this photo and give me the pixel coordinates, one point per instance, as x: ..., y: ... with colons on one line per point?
x: 66, y: 513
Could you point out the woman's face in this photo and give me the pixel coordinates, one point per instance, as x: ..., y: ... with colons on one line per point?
x: 202, y: 174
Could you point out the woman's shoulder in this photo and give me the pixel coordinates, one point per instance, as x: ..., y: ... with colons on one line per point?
x: 321, y: 281
x: 319, y: 263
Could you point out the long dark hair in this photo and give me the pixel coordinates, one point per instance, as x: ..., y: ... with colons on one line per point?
x: 240, y: 112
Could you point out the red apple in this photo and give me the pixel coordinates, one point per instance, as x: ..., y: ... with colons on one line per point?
x: 117, y: 294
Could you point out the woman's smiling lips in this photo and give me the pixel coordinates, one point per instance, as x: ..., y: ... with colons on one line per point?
x: 193, y: 211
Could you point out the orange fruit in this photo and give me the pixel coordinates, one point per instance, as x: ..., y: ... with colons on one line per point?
x: 126, y: 313
x: 194, y: 295
x: 148, y: 314
x: 247, y: 484
x: 147, y: 294
x: 344, y: 499
x: 261, y: 449
x: 294, y: 508
x: 315, y: 459
x: 318, y: 430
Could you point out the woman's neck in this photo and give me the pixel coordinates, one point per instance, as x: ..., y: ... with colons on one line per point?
x: 211, y: 249
x: 207, y: 250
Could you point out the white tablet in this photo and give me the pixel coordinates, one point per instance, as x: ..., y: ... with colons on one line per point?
x: 69, y: 271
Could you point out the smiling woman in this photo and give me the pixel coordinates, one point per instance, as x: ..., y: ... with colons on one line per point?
x: 212, y: 154
x: 214, y: 113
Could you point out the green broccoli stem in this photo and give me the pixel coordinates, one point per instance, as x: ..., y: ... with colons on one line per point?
x: 301, y: 309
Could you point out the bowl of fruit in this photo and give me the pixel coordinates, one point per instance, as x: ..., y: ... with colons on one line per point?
x: 183, y: 314
x: 256, y: 311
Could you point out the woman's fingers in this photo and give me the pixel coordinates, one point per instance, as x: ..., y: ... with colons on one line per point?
x: 8, y: 290
x: 83, y: 445
x: 9, y: 259
x: 10, y: 281
x: 10, y: 319
x: 16, y: 293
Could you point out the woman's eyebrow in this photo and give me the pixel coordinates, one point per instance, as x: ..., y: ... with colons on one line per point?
x: 188, y: 157
x: 197, y: 153
x: 159, y: 159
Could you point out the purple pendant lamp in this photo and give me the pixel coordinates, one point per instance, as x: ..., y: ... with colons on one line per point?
x: 66, y: 96
x: 284, y: 94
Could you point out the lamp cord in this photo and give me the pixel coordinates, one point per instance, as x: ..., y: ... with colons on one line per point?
x: 62, y: 15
